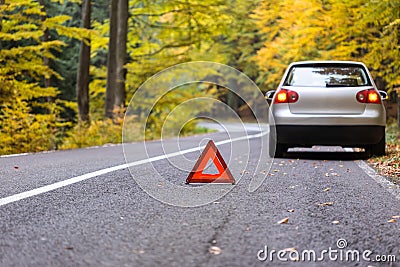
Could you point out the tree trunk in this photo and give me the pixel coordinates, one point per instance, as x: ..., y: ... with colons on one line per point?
x: 82, y: 80
x: 45, y: 38
x: 121, y: 56
x: 398, y: 107
x: 111, y: 61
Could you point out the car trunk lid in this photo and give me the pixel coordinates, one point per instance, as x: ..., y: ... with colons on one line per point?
x: 327, y: 100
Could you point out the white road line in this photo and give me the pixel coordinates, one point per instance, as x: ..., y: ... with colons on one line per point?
x: 14, y: 155
x: 382, y: 181
x: 50, y: 187
x: 348, y: 149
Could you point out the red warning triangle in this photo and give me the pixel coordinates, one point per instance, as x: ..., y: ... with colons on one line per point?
x: 223, y: 176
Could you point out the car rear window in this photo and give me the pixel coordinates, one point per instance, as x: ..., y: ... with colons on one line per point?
x: 329, y: 76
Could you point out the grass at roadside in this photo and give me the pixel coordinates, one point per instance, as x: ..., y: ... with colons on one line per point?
x: 202, y: 130
x: 389, y: 165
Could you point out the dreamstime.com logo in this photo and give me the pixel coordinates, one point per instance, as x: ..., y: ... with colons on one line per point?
x: 339, y: 253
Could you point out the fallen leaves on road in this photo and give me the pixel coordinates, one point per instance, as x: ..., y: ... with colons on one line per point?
x: 396, y: 217
x: 291, y: 210
x: 335, y: 222
x: 215, y: 250
x: 325, y: 204
x: 388, y: 165
x: 327, y: 189
x: 138, y: 251
x: 392, y: 221
x: 293, y: 249
x: 283, y: 221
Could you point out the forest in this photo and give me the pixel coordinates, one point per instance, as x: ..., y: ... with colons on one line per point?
x: 68, y: 68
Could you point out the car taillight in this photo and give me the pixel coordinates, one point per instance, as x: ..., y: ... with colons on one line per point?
x: 368, y: 96
x: 286, y: 96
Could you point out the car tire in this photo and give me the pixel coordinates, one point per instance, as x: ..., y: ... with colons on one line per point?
x: 276, y: 149
x: 378, y: 149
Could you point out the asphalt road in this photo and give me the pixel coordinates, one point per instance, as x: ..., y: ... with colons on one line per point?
x: 108, y: 220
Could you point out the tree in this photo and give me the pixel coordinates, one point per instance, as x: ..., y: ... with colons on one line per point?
x: 117, y: 56
x: 358, y: 30
x: 82, y: 83
x: 121, y: 55
x: 173, y: 32
x: 45, y: 38
x: 289, y: 37
x: 111, y: 60
x: 25, y: 112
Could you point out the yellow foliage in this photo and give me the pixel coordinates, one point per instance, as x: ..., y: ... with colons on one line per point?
x: 99, y: 132
x: 21, y: 131
x: 96, y: 133
x: 358, y: 30
x: 29, y: 112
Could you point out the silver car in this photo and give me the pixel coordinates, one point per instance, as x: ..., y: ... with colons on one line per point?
x: 327, y: 103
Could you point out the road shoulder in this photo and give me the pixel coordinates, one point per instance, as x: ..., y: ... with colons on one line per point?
x: 384, y: 182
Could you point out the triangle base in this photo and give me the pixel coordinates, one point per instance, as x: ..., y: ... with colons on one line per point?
x: 224, y: 176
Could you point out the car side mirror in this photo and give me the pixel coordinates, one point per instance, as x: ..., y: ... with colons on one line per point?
x: 383, y: 95
x: 270, y: 95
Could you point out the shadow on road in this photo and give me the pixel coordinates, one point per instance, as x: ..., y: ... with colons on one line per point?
x: 327, y: 155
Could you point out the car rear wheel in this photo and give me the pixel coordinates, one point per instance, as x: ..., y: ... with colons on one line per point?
x: 379, y: 148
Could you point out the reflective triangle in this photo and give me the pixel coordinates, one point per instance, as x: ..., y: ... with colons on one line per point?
x: 210, y: 152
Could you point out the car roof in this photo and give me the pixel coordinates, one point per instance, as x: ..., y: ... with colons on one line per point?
x: 326, y: 62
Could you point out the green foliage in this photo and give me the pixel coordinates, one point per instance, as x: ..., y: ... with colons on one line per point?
x: 30, y: 113
x: 160, y: 36
x: 392, y: 133
x: 173, y: 32
x: 170, y: 117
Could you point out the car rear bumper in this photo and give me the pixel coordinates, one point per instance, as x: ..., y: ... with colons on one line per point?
x: 308, y: 135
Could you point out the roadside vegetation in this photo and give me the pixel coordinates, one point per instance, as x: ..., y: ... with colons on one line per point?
x: 389, y: 165
x: 69, y: 67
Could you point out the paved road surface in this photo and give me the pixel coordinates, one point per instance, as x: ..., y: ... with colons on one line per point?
x: 108, y: 220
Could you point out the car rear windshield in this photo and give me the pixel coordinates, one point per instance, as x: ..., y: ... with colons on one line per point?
x: 329, y: 76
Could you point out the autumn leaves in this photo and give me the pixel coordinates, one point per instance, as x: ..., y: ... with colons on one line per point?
x: 329, y: 30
